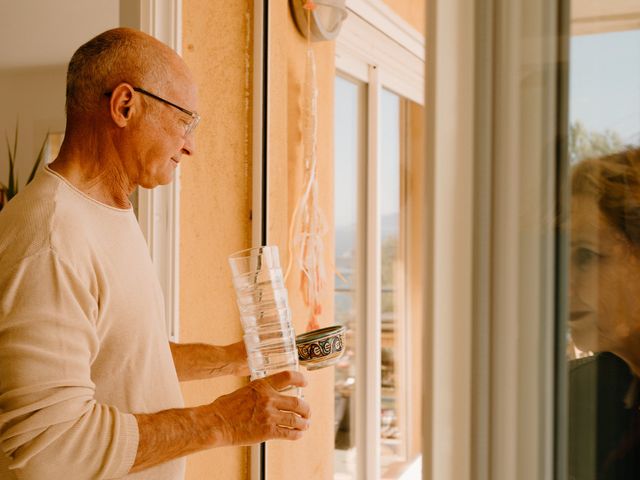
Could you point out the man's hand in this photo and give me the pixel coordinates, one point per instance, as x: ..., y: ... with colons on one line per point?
x: 259, y: 412
x: 252, y: 414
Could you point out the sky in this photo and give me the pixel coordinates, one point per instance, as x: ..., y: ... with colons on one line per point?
x: 604, y: 85
x: 346, y: 116
x: 346, y: 153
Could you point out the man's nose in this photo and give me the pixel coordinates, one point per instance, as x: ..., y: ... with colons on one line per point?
x: 189, y: 146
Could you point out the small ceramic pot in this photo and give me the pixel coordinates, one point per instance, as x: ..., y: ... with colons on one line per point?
x: 321, y: 348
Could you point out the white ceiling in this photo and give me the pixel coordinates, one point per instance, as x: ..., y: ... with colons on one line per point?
x: 45, y: 32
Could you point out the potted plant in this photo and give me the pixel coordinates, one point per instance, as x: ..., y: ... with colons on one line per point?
x: 8, y: 191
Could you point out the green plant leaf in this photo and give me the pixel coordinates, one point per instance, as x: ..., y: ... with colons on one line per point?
x: 16, y: 185
x: 11, y: 185
x: 15, y: 140
x: 38, y: 159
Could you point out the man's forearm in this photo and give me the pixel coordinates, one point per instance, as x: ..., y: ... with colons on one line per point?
x: 252, y: 414
x: 170, y: 434
x: 195, y: 361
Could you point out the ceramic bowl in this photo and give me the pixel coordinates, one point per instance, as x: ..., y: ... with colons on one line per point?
x: 321, y: 348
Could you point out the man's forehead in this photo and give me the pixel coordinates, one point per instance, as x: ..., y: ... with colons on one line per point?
x: 183, y: 89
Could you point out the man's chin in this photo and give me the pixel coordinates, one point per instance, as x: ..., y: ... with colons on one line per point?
x: 157, y: 181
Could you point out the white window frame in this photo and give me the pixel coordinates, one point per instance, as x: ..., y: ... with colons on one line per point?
x: 380, y: 49
x: 159, y: 208
x: 374, y: 35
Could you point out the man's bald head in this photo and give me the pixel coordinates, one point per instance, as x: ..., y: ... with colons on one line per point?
x: 116, y: 56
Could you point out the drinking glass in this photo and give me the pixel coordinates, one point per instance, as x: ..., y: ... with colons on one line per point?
x: 265, y: 316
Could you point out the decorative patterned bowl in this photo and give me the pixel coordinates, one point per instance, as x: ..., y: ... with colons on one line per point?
x: 322, y: 347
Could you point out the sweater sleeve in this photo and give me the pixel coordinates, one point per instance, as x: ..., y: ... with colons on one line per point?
x: 51, y: 426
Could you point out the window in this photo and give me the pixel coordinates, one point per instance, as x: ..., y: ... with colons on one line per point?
x: 378, y: 155
x: 349, y: 151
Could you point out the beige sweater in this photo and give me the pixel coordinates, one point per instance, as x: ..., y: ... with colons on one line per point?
x: 82, y: 338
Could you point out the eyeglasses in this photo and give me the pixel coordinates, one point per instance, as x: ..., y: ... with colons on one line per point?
x: 189, y: 126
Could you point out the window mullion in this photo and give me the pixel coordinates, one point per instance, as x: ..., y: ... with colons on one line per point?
x: 370, y: 425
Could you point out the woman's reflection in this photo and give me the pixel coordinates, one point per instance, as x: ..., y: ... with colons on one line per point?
x: 605, y: 317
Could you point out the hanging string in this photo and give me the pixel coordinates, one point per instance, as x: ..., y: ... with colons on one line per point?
x: 307, y: 224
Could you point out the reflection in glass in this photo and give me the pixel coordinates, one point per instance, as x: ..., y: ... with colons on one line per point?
x: 604, y: 93
x: 604, y: 277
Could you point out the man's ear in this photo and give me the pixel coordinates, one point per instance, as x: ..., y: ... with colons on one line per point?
x: 121, y: 104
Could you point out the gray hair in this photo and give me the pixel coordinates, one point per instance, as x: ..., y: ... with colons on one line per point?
x: 115, y: 56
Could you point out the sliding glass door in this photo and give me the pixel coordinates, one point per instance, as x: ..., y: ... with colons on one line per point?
x: 602, y: 265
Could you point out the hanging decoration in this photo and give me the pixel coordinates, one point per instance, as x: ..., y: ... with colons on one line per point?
x: 308, y: 225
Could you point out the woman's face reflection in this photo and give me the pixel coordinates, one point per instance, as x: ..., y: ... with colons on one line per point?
x: 604, y: 282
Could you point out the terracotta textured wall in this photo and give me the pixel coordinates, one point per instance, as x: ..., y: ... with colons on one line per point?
x: 416, y: 198
x: 216, y: 204
x: 215, y: 200
x: 311, y: 457
x: 413, y: 11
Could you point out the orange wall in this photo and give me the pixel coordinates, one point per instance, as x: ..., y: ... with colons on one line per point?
x: 417, y: 198
x: 215, y: 200
x: 311, y: 457
x: 216, y: 205
x: 413, y: 11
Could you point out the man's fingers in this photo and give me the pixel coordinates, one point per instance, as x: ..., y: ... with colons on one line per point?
x: 285, y: 433
x: 281, y: 380
x: 293, y: 404
x: 291, y: 420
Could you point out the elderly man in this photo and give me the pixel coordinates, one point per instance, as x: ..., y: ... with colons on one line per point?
x: 88, y: 381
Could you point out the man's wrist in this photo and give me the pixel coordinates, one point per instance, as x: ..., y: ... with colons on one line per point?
x: 236, y: 354
x: 211, y: 425
x: 173, y: 433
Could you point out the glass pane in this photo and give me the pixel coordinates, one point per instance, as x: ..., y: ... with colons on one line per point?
x: 392, y: 268
x: 604, y: 257
x: 349, y: 135
x: 399, y: 241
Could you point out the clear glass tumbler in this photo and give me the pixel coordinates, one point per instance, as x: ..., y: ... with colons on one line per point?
x: 256, y: 259
x: 263, y: 303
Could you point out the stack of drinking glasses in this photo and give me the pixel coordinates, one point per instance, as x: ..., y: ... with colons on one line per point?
x: 264, y: 311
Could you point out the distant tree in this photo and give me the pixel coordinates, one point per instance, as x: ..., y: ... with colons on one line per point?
x: 389, y: 255
x: 584, y: 143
